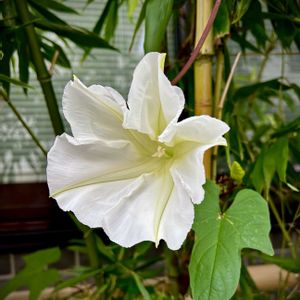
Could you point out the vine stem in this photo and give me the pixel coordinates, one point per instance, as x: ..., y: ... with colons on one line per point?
x: 199, y: 45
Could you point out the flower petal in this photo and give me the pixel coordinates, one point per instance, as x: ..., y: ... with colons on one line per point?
x: 177, y: 219
x: 157, y: 209
x: 91, y: 203
x: 94, y: 112
x: 153, y: 102
x: 190, y: 173
x: 72, y: 165
x: 132, y: 220
x: 204, y: 130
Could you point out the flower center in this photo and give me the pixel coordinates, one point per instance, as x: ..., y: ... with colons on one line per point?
x: 160, y: 152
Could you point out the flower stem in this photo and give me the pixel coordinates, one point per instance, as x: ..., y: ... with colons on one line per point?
x: 43, y: 75
x: 200, y: 43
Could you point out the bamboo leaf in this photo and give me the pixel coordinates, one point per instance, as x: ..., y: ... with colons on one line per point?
x: 43, y: 12
x: 138, y: 23
x: 14, y: 81
x: 219, y: 238
x: 54, y: 5
x: 111, y: 20
x: 7, y: 53
x: 132, y: 5
x: 241, y: 8
x: 23, y: 58
x: 222, y: 21
x: 98, y: 26
x: 157, y: 17
x: 78, y: 35
x: 48, y: 52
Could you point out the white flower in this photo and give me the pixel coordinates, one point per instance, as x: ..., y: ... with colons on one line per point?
x: 134, y: 171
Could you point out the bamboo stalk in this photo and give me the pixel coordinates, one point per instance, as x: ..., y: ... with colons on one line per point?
x: 43, y: 75
x: 203, y: 71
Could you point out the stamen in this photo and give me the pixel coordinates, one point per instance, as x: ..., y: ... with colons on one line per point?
x: 160, y: 152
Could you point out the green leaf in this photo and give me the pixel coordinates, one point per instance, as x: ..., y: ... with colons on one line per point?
x: 106, y: 251
x: 222, y: 21
x: 272, y: 158
x: 54, y: 5
x: 253, y: 21
x: 48, y: 52
x: 132, y: 5
x: 111, y: 20
x: 14, y: 81
x: 243, y: 42
x: 287, y: 263
x: 157, y: 17
x: 269, y: 167
x: 78, y: 35
x: 257, y: 175
x: 77, y: 279
x: 219, y: 238
x: 141, y: 287
x: 35, y: 274
x: 23, y: 57
x: 293, y: 126
x: 98, y: 26
x: 262, y: 88
x: 241, y: 8
x: 7, y: 53
x: 41, y: 11
x: 280, y: 152
x: 139, y: 23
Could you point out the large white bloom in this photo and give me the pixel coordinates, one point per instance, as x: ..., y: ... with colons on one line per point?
x: 134, y: 171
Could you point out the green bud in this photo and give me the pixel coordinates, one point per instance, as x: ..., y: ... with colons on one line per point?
x: 237, y: 172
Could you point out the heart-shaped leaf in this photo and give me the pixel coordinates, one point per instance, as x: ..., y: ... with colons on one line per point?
x: 216, y: 258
